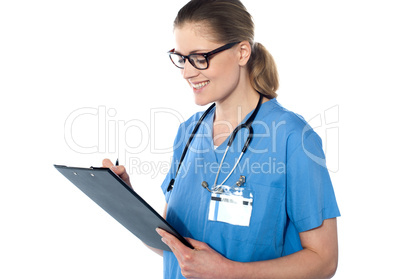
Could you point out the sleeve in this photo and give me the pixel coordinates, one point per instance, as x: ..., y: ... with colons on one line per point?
x: 179, y: 143
x: 310, y: 195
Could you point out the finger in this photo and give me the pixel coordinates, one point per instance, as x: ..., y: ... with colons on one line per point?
x: 198, y: 245
x: 106, y: 163
x: 121, y: 171
x: 174, y: 244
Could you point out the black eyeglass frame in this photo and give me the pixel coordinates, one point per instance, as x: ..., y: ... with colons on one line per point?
x: 205, y: 55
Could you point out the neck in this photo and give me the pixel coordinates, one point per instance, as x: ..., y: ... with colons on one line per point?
x: 229, y: 113
x: 235, y: 108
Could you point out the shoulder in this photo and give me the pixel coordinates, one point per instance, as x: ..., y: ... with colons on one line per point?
x: 273, y: 111
x: 287, y: 125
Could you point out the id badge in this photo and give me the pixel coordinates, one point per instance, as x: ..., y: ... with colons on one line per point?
x: 232, y: 205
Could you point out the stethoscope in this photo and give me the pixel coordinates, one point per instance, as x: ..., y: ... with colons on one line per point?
x: 247, y: 125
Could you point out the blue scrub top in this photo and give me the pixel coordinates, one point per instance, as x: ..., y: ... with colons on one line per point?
x: 285, y: 171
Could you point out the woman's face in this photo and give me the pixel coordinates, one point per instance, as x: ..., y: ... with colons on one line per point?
x: 221, y: 79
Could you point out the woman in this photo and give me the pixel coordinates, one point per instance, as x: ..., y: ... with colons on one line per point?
x: 271, y: 213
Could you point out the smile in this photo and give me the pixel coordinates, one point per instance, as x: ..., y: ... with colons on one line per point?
x: 200, y: 85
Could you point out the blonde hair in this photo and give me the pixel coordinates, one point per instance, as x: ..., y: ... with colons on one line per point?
x: 229, y: 22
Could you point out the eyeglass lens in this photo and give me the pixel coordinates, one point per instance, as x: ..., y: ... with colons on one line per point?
x: 197, y: 60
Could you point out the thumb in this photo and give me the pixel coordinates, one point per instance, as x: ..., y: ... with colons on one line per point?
x: 119, y: 170
x: 198, y: 245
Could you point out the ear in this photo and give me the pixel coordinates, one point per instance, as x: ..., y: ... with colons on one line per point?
x: 245, y: 52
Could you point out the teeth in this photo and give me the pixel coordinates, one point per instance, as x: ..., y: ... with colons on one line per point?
x: 200, y: 85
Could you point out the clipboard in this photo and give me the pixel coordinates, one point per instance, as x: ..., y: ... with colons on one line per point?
x: 114, y: 196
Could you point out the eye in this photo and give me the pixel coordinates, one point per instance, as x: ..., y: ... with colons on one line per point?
x: 201, y: 60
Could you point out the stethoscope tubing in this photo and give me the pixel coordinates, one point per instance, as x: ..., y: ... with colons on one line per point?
x: 192, y: 136
x: 246, y: 125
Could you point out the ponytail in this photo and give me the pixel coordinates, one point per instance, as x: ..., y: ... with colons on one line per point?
x: 263, y: 73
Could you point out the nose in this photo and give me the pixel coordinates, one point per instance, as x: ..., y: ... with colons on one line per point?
x: 189, y: 71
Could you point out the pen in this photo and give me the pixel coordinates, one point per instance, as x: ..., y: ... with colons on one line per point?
x: 117, y: 161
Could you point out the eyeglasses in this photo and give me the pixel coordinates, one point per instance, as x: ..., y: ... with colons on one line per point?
x: 199, y: 61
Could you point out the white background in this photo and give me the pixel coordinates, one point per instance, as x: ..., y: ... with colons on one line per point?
x: 57, y: 57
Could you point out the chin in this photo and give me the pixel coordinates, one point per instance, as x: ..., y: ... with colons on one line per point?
x: 202, y: 101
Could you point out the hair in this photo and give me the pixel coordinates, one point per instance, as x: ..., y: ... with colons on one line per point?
x: 229, y: 21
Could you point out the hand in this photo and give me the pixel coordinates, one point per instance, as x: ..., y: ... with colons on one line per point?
x: 200, y: 262
x: 119, y: 170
